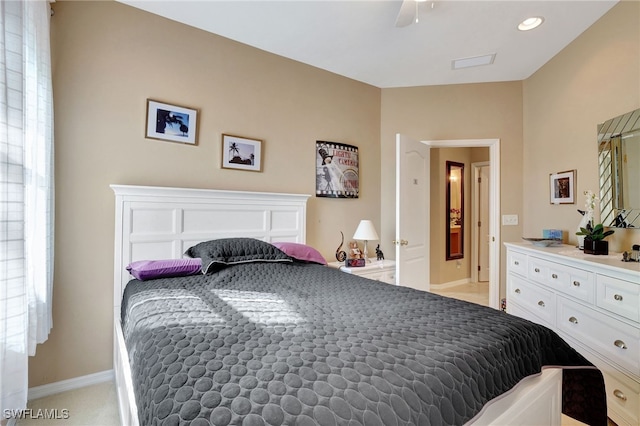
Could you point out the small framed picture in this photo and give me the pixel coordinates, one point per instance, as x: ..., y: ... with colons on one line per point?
x: 241, y: 153
x: 171, y: 122
x: 562, y: 187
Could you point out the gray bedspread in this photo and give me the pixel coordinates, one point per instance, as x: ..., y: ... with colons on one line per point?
x: 304, y: 344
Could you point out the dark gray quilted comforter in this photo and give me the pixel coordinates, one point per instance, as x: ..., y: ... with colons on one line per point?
x: 304, y: 344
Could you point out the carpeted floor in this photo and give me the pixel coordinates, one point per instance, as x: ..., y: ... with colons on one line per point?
x: 95, y: 405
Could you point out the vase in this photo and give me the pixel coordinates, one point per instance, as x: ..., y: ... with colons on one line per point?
x: 600, y: 247
x: 584, y: 221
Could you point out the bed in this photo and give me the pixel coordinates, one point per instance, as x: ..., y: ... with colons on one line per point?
x: 265, y: 337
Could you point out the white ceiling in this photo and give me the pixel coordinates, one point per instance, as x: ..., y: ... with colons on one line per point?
x: 359, y: 39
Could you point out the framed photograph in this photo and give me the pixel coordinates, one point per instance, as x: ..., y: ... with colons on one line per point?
x: 562, y: 187
x: 337, y: 168
x: 241, y: 153
x: 171, y: 122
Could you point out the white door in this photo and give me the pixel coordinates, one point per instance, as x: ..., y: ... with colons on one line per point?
x: 483, y: 228
x: 412, y: 213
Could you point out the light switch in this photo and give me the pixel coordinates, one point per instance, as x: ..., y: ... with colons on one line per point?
x: 509, y: 219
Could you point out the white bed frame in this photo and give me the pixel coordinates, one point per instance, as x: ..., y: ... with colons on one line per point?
x: 161, y: 223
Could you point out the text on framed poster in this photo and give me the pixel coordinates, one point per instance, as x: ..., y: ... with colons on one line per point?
x: 336, y: 170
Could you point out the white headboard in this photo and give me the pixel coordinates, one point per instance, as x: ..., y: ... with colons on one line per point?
x: 162, y: 223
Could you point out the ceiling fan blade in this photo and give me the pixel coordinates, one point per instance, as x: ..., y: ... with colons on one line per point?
x: 407, y: 13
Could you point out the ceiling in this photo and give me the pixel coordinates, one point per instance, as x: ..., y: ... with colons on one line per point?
x: 359, y: 39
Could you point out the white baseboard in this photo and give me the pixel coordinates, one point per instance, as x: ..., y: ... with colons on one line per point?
x: 70, y: 384
x: 450, y: 284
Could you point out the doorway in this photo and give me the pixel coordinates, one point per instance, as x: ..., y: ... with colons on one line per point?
x: 404, y: 271
x: 475, y: 288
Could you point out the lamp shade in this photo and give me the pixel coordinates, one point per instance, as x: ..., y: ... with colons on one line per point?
x: 366, y: 231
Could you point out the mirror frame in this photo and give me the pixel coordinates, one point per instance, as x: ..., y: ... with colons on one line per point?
x: 610, y: 133
x: 451, y: 253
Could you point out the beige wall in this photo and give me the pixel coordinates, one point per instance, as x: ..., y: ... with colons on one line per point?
x: 465, y: 111
x: 109, y: 58
x: 545, y: 124
x: 595, y: 78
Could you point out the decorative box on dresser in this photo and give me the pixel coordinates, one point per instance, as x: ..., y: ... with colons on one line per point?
x: 379, y: 270
x: 593, y: 302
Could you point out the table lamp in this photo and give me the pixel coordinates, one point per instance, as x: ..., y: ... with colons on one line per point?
x: 366, y: 232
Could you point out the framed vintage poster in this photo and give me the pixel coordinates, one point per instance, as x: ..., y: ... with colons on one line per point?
x: 562, y: 187
x: 336, y: 170
x: 171, y: 122
x: 241, y: 153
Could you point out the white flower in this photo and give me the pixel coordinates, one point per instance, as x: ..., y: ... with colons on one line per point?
x: 590, y: 201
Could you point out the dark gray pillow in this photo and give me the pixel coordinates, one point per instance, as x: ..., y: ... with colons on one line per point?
x: 216, y: 254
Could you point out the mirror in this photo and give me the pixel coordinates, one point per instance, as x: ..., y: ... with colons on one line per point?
x: 455, y: 210
x: 619, y: 166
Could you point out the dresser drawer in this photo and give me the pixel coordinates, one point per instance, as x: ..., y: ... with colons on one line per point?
x: 373, y: 275
x: 612, y: 339
x: 619, y: 296
x: 575, y: 282
x: 517, y: 262
x: 537, y: 300
x: 513, y: 308
x: 623, y: 398
x: 537, y: 270
x: 387, y: 276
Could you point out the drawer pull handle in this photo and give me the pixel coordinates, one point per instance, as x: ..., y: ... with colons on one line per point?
x: 536, y: 270
x: 573, y: 320
x: 617, y: 297
x: 620, y: 395
x: 517, y: 291
x: 620, y: 344
x: 516, y: 263
x: 554, y: 276
x: 576, y: 283
x: 541, y: 303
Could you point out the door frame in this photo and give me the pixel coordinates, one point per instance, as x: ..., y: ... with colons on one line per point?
x: 494, y: 205
x: 475, y: 217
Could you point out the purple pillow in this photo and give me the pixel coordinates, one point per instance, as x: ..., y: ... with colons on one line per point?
x: 150, y: 269
x: 301, y: 252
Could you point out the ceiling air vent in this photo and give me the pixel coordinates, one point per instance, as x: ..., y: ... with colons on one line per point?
x: 474, y: 61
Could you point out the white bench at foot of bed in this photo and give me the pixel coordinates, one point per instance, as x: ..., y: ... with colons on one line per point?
x: 536, y: 400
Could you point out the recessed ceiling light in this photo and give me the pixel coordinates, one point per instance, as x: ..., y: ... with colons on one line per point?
x: 531, y: 23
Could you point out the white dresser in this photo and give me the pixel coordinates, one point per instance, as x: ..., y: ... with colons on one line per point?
x: 593, y: 302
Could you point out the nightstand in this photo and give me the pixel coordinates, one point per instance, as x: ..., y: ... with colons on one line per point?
x: 379, y: 270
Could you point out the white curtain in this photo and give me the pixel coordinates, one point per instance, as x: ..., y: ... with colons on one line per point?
x: 26, y: 192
